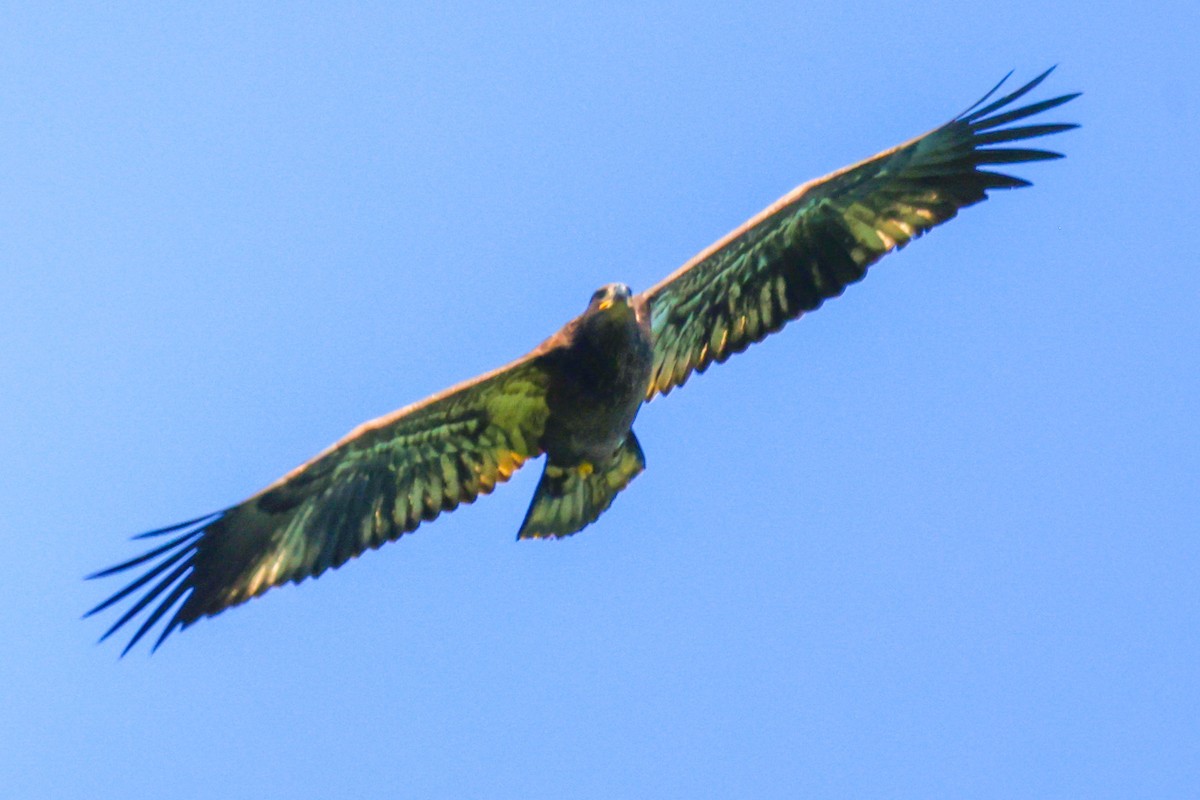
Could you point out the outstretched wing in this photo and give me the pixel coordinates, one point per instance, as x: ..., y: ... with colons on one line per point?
x: 381, y: 481
x: 823, y: 235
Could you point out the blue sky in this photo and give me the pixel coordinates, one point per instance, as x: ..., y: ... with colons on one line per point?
x: 937, y: 539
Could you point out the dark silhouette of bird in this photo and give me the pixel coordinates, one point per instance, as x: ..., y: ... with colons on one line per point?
x: 574, y: 398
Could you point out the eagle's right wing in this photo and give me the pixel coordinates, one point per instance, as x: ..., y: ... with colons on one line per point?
x: 379, y: 482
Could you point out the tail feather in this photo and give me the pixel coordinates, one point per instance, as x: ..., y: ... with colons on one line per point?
x: 569, y: 499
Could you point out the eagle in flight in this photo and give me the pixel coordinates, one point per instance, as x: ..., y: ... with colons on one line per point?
x: 574, y: 397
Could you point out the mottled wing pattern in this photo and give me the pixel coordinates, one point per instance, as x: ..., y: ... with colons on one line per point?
x: 822, y: 236
x: 381, y: 481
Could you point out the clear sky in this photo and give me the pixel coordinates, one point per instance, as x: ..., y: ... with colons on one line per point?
x: 941, y: 538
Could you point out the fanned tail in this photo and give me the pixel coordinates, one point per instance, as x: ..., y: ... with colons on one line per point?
x: 569, y: 499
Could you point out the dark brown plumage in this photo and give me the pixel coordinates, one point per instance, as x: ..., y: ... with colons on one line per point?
x: 574, y: 398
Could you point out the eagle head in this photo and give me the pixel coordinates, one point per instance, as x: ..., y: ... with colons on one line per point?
x: 612, y: 296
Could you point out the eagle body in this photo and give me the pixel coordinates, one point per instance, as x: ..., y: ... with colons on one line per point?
x: 601, y: 369
x: 574, y: 398
x: 599, y: 365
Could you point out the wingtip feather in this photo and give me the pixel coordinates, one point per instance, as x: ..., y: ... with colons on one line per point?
x: 988, y: 95
x: 978, y: 113
x: 206, y: 519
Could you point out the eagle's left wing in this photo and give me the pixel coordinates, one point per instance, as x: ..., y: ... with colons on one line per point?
x: 822, y: 236
x: 382, y: 480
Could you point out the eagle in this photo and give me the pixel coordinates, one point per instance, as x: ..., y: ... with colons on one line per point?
x: 574, y: 397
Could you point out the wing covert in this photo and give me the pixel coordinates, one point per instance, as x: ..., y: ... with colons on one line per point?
x: 822, y: 236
